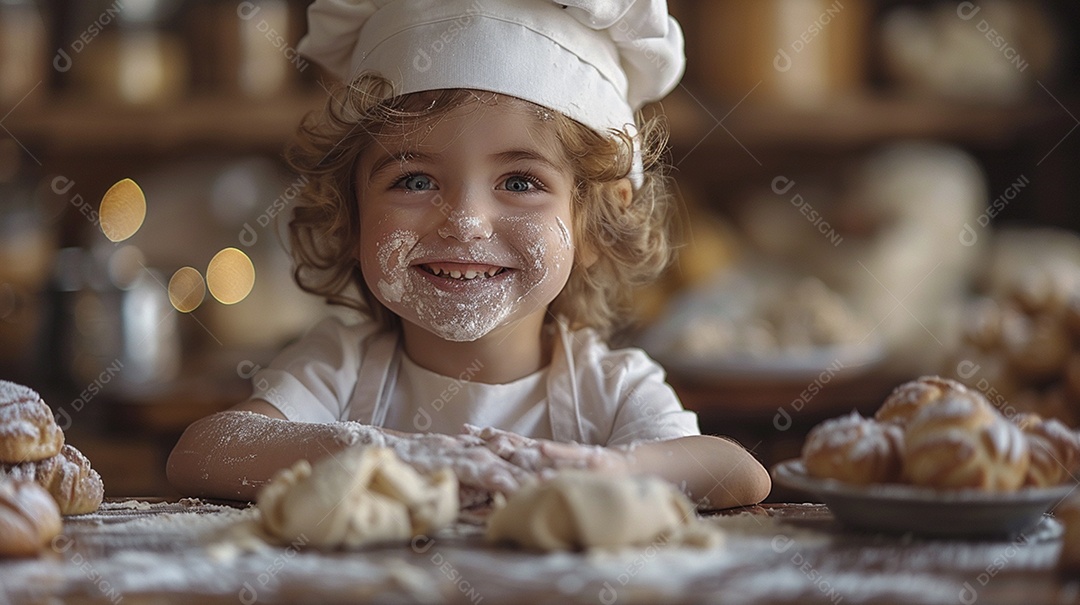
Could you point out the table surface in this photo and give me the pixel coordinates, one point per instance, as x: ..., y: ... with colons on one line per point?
x: 196, y: 551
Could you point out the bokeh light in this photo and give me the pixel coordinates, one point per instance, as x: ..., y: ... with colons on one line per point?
x: 186, y: 289
x: 123, y: 209
x: 230, y: 276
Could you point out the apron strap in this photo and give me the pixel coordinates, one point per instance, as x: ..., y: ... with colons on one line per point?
x: 564, y: 409
x: 376, y: 380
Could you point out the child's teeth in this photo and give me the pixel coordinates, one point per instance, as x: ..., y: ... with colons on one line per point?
x: 467, y: 274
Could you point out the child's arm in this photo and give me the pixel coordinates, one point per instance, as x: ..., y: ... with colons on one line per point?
x: 233, y: 454
x: 714, y: 472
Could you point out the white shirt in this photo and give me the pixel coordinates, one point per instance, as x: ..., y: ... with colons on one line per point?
x: 588, y: 394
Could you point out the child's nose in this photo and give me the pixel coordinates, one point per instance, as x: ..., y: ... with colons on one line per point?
x: 466, y: 222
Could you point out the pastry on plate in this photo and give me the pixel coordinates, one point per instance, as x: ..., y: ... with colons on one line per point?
x: 962, y: 442
x: 855, y: 450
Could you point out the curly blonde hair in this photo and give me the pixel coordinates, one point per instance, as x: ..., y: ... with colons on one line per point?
x: 626, y: 244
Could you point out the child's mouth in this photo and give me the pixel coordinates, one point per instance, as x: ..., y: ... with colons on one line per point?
x: 462, y: 271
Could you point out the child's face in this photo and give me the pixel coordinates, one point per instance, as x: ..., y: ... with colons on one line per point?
x: 465, y: 219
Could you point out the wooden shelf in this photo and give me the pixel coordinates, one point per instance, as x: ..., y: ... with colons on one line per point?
x: 74, y: 126
x: 850, y: 123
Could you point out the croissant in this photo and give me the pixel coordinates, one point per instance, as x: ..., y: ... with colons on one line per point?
x: 29, y: 518
x: 28, y: 431
x: 68, y: 477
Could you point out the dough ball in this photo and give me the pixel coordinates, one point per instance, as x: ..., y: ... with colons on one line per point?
x: 579, y: 510
x: 359, y: 496
x: 855, y: 450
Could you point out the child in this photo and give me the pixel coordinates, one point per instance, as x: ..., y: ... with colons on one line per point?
x: 480, y: 193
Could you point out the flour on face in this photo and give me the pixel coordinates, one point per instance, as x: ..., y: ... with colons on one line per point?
x: 461, y: 291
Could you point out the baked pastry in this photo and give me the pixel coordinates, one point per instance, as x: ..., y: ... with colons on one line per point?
x: 68, y: 477
x: 855, y: 450
x: 1068, y: 513
x: 1026, y: 420
x: 28, y: 431
x: 962, y: 442
x: 1037, y: 349
x: 907, y: 399
x: 29, y: 518
x: 1055, y: 451
x: 982, y: 324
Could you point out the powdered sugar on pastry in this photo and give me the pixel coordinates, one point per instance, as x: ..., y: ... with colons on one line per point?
x: 854, y: 449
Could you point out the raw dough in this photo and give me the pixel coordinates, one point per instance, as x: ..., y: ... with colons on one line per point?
x: 580, y: 510
x: 358, y: 496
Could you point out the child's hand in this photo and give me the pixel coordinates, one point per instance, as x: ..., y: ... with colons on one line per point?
x: 543, y: 456
x: 475, y: 465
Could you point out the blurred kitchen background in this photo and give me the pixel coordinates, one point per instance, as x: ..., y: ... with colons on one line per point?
x: 868, y: 191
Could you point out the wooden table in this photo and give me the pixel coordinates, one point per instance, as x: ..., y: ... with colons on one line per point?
x: 192, y: 551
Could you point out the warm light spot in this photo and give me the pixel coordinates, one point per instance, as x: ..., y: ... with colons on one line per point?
x: 230, y: 276
x: 186, y: 289
x: 123, y: 209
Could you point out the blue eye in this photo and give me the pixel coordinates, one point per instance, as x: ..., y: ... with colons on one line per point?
x: 415, y: 182
x: 521, y: 183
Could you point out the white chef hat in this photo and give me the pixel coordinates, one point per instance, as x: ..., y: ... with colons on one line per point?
x: 596, y: 61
